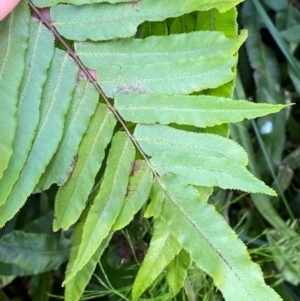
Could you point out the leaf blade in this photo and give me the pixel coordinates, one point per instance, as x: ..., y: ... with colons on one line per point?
x: 179, y: 77
x: 156, y: 49
x: 156, y: 137
x: 38, y: 57
x: 163, y: 248
x: 109, y: 201
x: 83, y: 106
x: 140, y: 182
x: 185, y: 213
x: 14, y: 32
x: 55, y: 103
x: 200, y: 111
x: 107, y: 22
x: 208, y: 171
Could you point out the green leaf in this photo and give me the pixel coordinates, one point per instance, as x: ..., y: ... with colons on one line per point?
x: 83, y: 106
x: 179, y: 77
x: 107, y: 22
x: 71, y: 198
x: 214, y: 20
x: 37, y: 61
x: 206, y: 236
x: 157, y: 198
x: 158, y: 49
x: 140, y: 182
x: 208, y: 171
x: 35, y: 253
x: 14, y: 32
x: 109, y: 201
x: 75, y: 287
x: 200, y: 111
x: 55, y: 103
x: 177, y: 270
x: 163, y: 248
x: 155, y: 137
x: 48, y: 3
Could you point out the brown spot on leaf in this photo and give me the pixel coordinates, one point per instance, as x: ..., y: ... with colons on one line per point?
x: 135, y: 167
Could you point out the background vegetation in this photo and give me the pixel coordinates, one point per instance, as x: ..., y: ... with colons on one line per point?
x: 268, y: 71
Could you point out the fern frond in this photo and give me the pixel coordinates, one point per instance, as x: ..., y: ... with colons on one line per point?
x: 71, y: 198
x: 46, y: 251
x: 163, y: 248
x: 158, y: 49
x: 206, y: 236
x: 200, y: 111
x: 83, y: 106
x: 209, y: 171
x: 156, y: 137
x: 179, y: 77
x: 55, y: 103
x: 14, y: 32
x: 140, y: 182
x: 75, y: 287
x: 108, y: 21
x: 177, y: 270
x: 37, y: 61
x: 109, y: 201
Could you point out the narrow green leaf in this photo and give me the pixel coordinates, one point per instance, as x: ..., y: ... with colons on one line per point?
x: 155, y: 137
x: 82, y: 107
x: 61, y: 80
x: 71, y: 197
x: 163, y: 248
x: 109, y: 201
x: 209, y: 171
x: 179, y: 77
x: 177, y: 270
x: 157, y: 198
x: 206, y: 236
x: 158, y: 49
x: 226, y: 23
x: 38, y: 58
x: 213, y: 20
x: 107, y: 22
x: 140, y: 182
x: 49, y: 3
x: 75, y: 287
x: 35, y: 253
x: 200, y: 111
x: 14, y: 32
